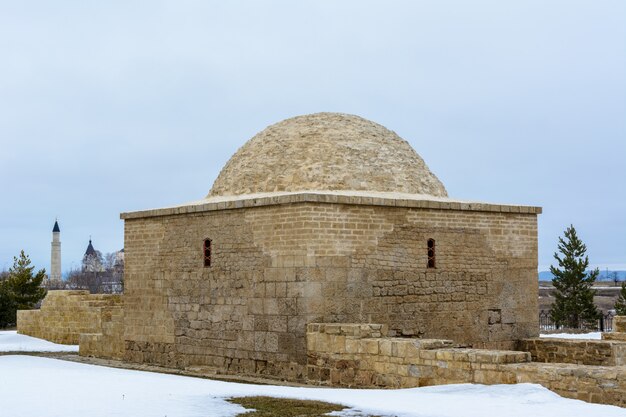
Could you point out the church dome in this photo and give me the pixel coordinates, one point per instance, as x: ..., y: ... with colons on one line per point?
x: 326, y: 152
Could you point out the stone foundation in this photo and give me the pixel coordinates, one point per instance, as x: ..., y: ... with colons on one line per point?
x: 353, y: 355
x: 64, y: 315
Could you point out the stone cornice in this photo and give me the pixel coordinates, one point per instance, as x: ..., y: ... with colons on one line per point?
x: 385, y: 200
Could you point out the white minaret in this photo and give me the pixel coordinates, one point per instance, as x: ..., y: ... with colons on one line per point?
x: 55, y: 260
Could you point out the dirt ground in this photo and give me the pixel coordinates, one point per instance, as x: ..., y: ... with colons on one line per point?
x: 606, y: 295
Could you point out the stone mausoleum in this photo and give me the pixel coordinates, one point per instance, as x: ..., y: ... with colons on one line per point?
x: 327, y: 252
x: 323, y: 218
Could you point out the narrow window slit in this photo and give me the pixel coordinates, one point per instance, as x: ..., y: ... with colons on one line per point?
x: 207, y: 252
x: 431, y: 253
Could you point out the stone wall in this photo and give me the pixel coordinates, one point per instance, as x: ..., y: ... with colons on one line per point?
x: 353, y: 355
x: 277, y: 267
x: 582, y: 352
x: 109, y: 342
x: 597, y: 384
x: 64, y: 315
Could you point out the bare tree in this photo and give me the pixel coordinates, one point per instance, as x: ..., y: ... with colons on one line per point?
x: 54, y: 284
x: 109, y: 261
x: 614, y: 276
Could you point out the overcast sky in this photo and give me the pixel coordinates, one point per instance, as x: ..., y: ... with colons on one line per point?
x: 124, y: 105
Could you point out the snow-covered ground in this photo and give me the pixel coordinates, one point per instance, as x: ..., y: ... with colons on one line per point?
x: 10, y: 341
x: 42, y: 387
x: 592, y: 336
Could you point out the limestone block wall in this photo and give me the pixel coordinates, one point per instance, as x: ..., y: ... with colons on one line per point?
x: 346, y: 355
x: 597, y: 384
x: 614, y: 336
x: 282, y: 264
x: 109, y: 343
x: 582, y: 352
x: 64, y: 315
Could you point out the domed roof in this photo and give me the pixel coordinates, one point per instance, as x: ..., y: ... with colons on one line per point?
x: 326, y: 152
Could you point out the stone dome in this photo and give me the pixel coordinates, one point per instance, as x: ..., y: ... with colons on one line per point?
x: 326, y: 152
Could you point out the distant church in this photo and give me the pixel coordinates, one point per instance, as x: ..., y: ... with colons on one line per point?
x: 92, y: 260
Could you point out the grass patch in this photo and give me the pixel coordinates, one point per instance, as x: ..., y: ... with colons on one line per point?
x: 283, y: 407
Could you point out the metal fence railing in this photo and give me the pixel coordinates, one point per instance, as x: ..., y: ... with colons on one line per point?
x: 603, y: 324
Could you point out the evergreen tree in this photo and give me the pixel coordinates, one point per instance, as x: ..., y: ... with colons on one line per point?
x: 573, y: 306
x: 21, y: 290
x: 7, y: 306
x: 620, y: 304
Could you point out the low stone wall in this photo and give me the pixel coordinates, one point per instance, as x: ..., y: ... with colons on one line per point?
x: 577, y: 351
x: 357, y: 355
x: 348, y: 355
x: 614, y: 336
x: 64, y: 315
x: 596, y: 384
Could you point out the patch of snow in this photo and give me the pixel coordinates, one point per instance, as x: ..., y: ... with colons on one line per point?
x: 587, y: 336
x: 11, y: 341
x: 340, y: 193
x: 35, y: 386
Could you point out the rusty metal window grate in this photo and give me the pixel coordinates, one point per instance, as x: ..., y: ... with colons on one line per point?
x: 431, y: 253
x: 207, y: 252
